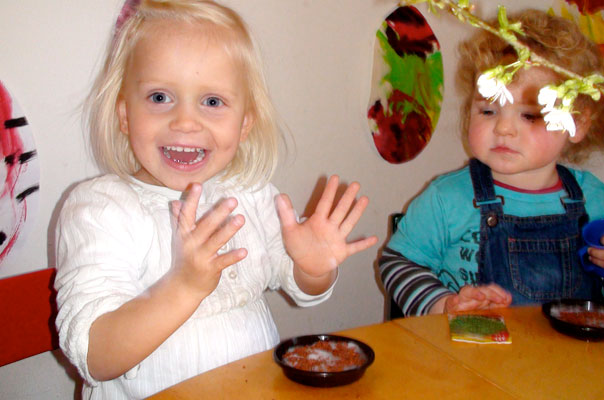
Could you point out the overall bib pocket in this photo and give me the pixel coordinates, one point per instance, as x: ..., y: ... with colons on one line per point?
x: 544, y: 269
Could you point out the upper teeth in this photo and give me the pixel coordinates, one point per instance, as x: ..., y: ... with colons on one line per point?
x: 185, y: 149
x: 178, y: 149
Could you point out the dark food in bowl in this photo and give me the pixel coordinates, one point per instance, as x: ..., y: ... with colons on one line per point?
x: 582, y: 319
x: 325, y: 356
x: 297, y: 345
x: 579, y: 317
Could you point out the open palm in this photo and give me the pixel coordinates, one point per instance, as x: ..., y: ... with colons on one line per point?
x: 318, y: 245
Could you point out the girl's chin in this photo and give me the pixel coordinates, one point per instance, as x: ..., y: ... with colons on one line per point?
x: 182, y: 183
x: 175, y: 179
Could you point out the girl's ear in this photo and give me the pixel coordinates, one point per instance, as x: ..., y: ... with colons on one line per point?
x: 122, y: 115
x: 246, y: 127
x: 583, y: 123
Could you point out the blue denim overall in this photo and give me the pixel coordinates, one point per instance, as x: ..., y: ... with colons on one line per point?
x: 534, y: 258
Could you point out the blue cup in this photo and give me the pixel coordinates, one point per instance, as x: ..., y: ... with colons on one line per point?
x: 592, y: 233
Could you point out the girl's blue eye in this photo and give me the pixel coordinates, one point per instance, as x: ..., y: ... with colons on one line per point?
x: 159, y: 97
x: 213, y: 102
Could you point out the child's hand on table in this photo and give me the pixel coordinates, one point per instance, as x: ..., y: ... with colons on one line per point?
x: 318, y: 245
x: 482, y: 297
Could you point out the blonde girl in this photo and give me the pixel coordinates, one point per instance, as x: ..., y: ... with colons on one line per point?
x: 162, y: 262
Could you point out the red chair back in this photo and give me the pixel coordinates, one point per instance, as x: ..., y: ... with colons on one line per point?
x: 27, y: 315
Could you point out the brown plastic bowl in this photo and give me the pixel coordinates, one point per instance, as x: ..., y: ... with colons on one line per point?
x: 322, y: 379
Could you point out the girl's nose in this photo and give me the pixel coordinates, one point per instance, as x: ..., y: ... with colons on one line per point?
x: 505, y: 126
x: 185, y: 119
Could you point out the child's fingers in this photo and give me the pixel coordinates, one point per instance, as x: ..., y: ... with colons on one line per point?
x: 596, y: 256
x: 175, y: 207
x: 223, y: 234
x: 285, y: 210
x: 343, y: 206
x: 467, y: 304
x: 472, y: 292
x: 212, y: 220
x: 361, y: 244
x: 188, y: 207
x: 498, y: 291
x: 232, y: 257
x: 355, y: 215
x: 326, y: 201
x: 496, y: 294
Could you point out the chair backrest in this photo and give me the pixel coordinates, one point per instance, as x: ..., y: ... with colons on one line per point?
x: 27, y: 315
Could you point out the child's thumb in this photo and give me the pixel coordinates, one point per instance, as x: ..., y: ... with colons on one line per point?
x: 285, y: 211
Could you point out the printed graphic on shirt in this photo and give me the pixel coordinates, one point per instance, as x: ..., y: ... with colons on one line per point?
x: 462, y: 264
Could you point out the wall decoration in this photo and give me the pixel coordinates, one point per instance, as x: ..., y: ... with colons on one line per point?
x: 19, y: 175
x: 407, y: 85
x: 588, y: 14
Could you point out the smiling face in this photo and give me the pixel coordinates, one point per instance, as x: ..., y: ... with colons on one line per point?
x: 513, y: 140
x: 182, y: 105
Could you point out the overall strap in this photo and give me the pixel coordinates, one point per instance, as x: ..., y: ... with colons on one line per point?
x: 570, y: 184
x: 574, y: 203
x: 482, y: 181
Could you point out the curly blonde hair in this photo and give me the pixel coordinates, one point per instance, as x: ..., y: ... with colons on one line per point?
x: 558, y: 40
x: 256, y: 157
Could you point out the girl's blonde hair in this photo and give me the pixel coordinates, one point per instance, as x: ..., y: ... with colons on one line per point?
x: 256, y: 157
x: 558, y: 40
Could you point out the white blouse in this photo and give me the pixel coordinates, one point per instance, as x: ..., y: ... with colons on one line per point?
x: 114, y: 241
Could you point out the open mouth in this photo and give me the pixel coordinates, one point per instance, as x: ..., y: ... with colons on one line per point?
x: 184, y: 155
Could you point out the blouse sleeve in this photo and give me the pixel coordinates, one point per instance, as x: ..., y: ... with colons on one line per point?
x: 97, y: 262
x: 282, y: 272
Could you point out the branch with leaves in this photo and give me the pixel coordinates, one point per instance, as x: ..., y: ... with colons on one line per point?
x: 492, y: 83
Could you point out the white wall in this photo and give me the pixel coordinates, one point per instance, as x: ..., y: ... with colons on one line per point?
x: 318, y: 56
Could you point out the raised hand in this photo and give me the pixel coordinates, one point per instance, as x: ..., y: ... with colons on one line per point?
x: 196, y: 243
x: 319, y: 244
x: 481, y: 297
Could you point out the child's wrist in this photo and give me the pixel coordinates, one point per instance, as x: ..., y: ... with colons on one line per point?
x: 311, y: 284
x: 329, y: 275
x: 184, y: 291
x: 440, y: 307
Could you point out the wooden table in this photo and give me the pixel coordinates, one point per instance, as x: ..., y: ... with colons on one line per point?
x: 541, y: 363
x: 415, y: 358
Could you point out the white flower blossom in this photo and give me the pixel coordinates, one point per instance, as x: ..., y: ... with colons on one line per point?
x: 547, y: 97
x: 493, y: 89
x: 557, y: 119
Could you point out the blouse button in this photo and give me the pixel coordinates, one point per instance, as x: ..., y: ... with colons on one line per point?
x: 243, y: 300
x: 492, y: 221
x: 232, y: 274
